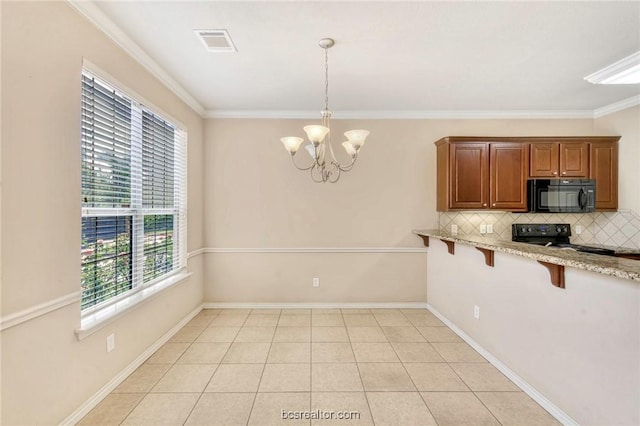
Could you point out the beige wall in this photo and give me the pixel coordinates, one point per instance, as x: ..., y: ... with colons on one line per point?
x: 344, y: 277
x: 579, y: 347
x: 46, y: 372
x: 626, y: 123
x: 255, y: 198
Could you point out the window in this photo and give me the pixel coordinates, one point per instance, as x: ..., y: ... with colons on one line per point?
x: 133, y: 195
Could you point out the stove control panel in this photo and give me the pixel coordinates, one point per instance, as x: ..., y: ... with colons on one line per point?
x: 540, y: 230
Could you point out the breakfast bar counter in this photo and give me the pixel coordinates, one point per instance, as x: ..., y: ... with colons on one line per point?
x: 548, y: 256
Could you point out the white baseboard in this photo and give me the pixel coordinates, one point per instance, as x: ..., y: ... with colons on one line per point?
x: 84, y: 409
x: 556, y: 412
x: 303, y: 305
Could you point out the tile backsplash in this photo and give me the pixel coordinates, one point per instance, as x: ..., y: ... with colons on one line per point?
x: 620, y: 229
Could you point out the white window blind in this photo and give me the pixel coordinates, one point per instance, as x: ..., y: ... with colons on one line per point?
x: 133, y: 195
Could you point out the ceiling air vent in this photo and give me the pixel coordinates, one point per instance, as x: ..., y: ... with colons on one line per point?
x: 216, y: 40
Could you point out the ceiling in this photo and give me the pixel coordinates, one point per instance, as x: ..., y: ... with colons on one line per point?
x: 394, y: 58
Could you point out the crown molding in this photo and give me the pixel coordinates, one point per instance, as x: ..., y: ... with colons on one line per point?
x: 433, y: 115
x: 617, y: 106
x: 404, y: 115
x: 90, y: 11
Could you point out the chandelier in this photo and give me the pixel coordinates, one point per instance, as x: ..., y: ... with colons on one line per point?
x: 325, y: 167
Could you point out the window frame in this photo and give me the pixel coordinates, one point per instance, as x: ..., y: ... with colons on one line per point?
x: 93, y: 315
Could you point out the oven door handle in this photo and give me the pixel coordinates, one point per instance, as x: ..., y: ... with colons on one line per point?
x: 582, y: 199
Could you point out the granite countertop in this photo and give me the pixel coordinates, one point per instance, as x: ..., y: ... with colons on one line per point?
x: 618, y: 250
x: 608, y: 265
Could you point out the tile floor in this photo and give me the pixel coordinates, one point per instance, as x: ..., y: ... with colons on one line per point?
x: 377, y: 366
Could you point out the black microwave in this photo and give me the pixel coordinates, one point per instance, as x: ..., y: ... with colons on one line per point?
x: 561, y: 195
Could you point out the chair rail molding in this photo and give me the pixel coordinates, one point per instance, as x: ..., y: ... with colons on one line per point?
x: 195, y: 253
x: 36, y: 311
x: 315, y: 250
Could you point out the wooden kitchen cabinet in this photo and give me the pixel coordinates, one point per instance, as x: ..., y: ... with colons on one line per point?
x: 477, y: 174
x: 559, y: 159
x: 603, y: 167
x: 469, y: 167
x: 508, y: 176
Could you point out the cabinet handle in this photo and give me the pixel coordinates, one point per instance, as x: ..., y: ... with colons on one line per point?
x: 484, y: 205
x: 555, y: 173
x: 494, y: 204
x: 564, y: 173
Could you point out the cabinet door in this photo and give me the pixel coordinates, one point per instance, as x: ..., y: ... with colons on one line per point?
x: 574, y: 160
x: 604, y: 169
x: 544, y: 160
x: 508, y: 168
x: 469, y: 177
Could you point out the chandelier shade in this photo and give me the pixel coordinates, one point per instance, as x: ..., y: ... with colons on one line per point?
x: 325, y: 167
x: 292, y: 143
x: 357, y: 137
x: 316, y: 133
x: 350, y: 148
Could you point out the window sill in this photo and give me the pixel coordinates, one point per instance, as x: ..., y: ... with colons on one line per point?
x: 93, y: 322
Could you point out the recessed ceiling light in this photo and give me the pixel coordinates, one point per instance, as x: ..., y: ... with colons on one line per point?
x: 625, y: 71
x: 216, y: 40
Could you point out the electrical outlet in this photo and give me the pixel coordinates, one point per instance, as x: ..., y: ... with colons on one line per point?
x: 476, y: 312
x: 578, y: 229
x: 111, y: 342
x: 316, y: 282
x: 489, y: 229
x: 454, y: 229
x: 483, y: 229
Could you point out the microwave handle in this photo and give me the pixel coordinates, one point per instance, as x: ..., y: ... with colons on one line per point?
x: 582, y: 199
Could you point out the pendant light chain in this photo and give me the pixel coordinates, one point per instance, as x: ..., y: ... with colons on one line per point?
x: 326, y: 78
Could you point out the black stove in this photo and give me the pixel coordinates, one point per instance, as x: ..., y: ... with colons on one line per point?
x: 551, y: 235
